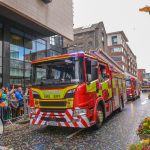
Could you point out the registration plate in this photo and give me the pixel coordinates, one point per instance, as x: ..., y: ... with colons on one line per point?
x: 52, y: 123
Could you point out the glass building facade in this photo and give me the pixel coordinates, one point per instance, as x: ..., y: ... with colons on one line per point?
x: 1, y: 54
x: 21, y: 46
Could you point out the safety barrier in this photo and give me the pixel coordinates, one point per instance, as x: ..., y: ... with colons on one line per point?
x: 13, y: 111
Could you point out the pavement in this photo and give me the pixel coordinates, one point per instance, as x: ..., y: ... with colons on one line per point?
x: 117, y: 133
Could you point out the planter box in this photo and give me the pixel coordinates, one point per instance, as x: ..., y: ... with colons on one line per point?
x: 144, y: 136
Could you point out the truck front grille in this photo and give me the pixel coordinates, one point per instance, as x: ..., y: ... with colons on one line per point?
x: 53, y: 103
x: 53, y: 110
x: 54, y: 119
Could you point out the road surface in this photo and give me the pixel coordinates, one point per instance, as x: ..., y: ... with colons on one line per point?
x: 117, y: 133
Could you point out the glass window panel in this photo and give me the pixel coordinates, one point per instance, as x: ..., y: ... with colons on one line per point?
x: 23, y: 49
x: 41, y: 41
x: 0, y: 61
x: 0, y: 70
x: 52, y: 40
x: 33, y: 46
x: 27, y: 65
x: 117, y: 49
x: 117, y: 58
x: 27, y: 56
x: 41, y: 49
x: 0, y: 42
x: 16, y: 72
x: 41, y: 55
x: 27, y: 73
x: 41, y: 46
x: 28, y: 43
x: 53, y: 53
x: 16, y: 81
x: 16, y: 48
x: 114, y: 39
x: 18, y: 64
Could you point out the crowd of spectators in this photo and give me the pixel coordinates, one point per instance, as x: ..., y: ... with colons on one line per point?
x: 11, y: 102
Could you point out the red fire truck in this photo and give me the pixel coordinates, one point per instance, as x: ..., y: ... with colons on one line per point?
x: 145, y: 87
x: 133, y: 88
x: 75, y: 90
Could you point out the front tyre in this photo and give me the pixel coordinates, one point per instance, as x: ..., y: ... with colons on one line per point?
x: 99, y: 117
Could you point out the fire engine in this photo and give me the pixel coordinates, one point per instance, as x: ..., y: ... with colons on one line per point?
x: 145, y: 87
x: 133, y: 87
x: 75, y: 90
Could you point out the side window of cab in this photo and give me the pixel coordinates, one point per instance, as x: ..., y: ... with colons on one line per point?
x: 103, y: 73
x: 91, y: 70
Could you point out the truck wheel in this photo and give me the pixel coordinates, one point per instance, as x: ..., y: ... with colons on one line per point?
x: 121, y: 105
x: 100, y: 117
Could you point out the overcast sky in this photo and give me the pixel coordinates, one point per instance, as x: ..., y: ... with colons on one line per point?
x: 119, y: 15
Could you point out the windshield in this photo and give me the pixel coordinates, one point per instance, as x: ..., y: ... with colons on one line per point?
x: 128, y: 83
x: 60, y: 71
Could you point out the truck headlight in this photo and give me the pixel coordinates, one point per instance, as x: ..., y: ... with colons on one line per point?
x: 70, y: 93
x: 36, y: 102
x: 79, y: 112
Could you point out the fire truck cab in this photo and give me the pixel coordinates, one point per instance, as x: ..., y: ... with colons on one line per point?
x: 145, y: 87
x: 74, y: 90
x: 133, y: 88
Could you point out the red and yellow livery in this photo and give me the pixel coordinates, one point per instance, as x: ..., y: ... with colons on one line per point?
x: 75, y: 90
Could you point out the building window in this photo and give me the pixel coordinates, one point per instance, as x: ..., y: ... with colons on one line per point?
x: 56, y: 40
x: 40, y: 48
x: 52, y: 40
x: 114, y: 40
x: 53, y: 53
x: 117, y: 58
x: 117, y: 49
x: 23, y: 49
x: 123, y: 59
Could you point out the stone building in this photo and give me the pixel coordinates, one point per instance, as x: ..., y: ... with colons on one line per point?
x: 120, y: 52
x: 93, y: 37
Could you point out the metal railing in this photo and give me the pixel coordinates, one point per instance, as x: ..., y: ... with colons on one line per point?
x: 13, y: 112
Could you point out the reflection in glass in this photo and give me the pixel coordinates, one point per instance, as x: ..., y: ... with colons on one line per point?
x: 23, y: 49
x: 57, y: 72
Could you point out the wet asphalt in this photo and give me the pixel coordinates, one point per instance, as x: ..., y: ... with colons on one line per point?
x: 117, y: 133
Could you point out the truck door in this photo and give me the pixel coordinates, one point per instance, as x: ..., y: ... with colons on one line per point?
x: 115, y: 86
x: 91, y: 80
x: 105, y: 82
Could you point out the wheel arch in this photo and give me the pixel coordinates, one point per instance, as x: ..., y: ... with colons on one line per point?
x: 99, y: 102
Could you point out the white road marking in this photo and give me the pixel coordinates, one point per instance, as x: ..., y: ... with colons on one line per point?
x: 73, y: 134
